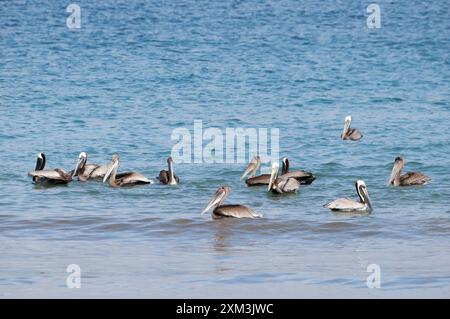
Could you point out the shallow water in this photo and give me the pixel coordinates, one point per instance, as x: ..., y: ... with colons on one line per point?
x: 137, y: 70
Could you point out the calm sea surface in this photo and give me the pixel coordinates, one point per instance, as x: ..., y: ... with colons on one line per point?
x: 137, y: 70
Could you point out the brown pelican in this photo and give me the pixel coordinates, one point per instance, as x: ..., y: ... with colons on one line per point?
x: 168, y: 177
x: 123, y: 179
x: 223, y: 211
x: 408, y: 179
x: 88, y: 171
x: 48, y: 176
x: 251, y: 169
x: 350, y: 133
x: 303, y: 177
x: 282, y: 184
x: 349, y: 205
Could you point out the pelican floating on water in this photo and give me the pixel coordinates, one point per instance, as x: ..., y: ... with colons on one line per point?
x: 86, y: 171
x: 123, y: 179
x: 348, y: 205
x: 303, y: 177
x: 350, y: 133
x: 48, y: 176
x: 251, y: 169
x: 224, y: 211
x: 408, y: 179
x: 168, y: 177
x: 282, y: 184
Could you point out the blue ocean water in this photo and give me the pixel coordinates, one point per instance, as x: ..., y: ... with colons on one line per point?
x: 137, y: 70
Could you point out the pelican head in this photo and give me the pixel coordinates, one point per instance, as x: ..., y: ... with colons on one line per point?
x: 347, y: 122
x: 82, y: 158
x: 285, y: 167
x: 363, y: 194
x: 218, y: 198
x: 252, y: 167
x: 273, y: 175
x: 394, y: 179
x: 40, y: 162
x: 112, y: 167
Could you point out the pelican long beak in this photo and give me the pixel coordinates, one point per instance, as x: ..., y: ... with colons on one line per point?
x: 347, y: 122
x: 366, y: 193
x: 172, y: 179
x: 217, y: 199
x: 251, y: 168
x: 395, y: 172
x: 111, y: 168
x: 273, y: 175
x: 77, y: 167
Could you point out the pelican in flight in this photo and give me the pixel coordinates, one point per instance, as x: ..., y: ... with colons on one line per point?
x: 48, y: 176
x: 303, y: 177
x: 348, y: 205
x: 350, y: 133
x: 88, y: 171
x: 408, y: 179
x: 223, y: 211
x: 282, y: 184
x: 168, y: 177
x: 123, y: 179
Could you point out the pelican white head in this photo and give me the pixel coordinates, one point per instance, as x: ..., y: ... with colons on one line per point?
x: 82, y: 158
x: 363, y: 194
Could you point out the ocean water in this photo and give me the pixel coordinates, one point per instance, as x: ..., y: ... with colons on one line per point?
x: 137, y: 70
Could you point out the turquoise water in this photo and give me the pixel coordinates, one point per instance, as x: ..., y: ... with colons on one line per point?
x: 137, y: 70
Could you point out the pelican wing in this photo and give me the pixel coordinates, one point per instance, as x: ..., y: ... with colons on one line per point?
x: 258, y: 180
x: 89, y: 168
x: 354, y: 134
x: 99, y: 171
x: 345, y: 204
x: 50, y: 174
x: 130, y: 178
x: 414, y: 178
x: 287, y: 184
x: 302, y: 176
x: 236, y: 211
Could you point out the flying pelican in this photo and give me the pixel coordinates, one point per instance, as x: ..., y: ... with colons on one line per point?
x: 88, y: 171
x: 123, y: 179
x: 251, y: 169
x: 408, y: 179
x: 168, y: 177
x: 348, y: 205
x: 350, y: 133
x: 303, y: 177
x: 282, y: 184
x: 224, y: 211
x: 48, y: 176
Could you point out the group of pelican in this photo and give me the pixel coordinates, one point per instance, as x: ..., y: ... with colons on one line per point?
x: 84, y: 172
x: 290, y: 181
x: 286, y: 182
